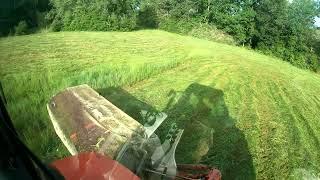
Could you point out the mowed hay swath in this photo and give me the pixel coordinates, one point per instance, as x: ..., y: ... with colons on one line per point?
x: 267, y: 111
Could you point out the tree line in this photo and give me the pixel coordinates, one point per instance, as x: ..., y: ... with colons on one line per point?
x: 275, y: 27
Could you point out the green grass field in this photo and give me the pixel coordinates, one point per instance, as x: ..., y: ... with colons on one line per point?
x: 250, y: 115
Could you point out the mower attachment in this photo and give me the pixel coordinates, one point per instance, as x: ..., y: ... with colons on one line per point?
x: 87, y: 122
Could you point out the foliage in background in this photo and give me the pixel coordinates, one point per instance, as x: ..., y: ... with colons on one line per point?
x: 15, y: 12
x: 196, y: 29
x: 287, y: 30
x: 98, y: 15
x: 211, y: 33
x: 234, y: 17
x: 301, y: 34
x: 177, y: 25
x: 147, y: 17
x: 316, y: 44
x: 21, y: 28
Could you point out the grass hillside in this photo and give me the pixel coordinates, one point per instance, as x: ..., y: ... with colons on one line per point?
x: 250, y: 115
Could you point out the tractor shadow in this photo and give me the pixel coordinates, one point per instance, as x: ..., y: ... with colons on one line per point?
x: 210, y: 135
x: 126, y: 102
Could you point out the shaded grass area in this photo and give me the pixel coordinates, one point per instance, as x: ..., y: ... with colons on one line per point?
x: 250, y: 115
x: 210, y: 136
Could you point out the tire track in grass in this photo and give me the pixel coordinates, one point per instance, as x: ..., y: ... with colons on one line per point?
x: 299, y: 151
x: 247, y: 100
x: 247, y: 119
x: 287, y: 123
x: 302, y: 114
x: 177, y: 78
x: 267, y: 128
x: 232, y: 95
x: 171, y: 74
x: 245, y: 116
x: 315, y: 144
x: 308, y: 99
x: 213, y: 72
x: 311, y: 140
x: 316, y: 101
x: 239, y: 151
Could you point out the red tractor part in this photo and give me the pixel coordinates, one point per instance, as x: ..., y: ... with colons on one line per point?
x: 91, y: 165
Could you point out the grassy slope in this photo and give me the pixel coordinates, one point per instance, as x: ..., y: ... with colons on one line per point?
x: 246, y: 113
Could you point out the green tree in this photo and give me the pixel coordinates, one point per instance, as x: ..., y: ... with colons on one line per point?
x: 234, y: 17
x: 302, y: 33
x: 21, y: 28
x: 12, y: 12
x: 270, y: 25
x: 180, y: 9
x: 287, y: 30
x: 147, y: 16
x: 101, y: 15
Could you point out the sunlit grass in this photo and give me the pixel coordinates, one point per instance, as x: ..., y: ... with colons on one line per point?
x: 247, y: 114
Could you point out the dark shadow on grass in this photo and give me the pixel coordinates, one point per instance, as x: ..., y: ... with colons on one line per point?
x: 126, y: 102
x: 210, y: 135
